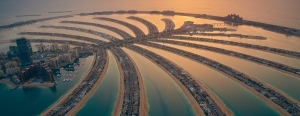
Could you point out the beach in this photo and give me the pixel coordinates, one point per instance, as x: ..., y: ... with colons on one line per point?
x: 144, y: 105
x: 45, y: 84
x: 8, y: 83
x: 118, y: 106
x: 193, y: 102
x: 44, y: 113
x: 270, y: 103
x: 81, y: 103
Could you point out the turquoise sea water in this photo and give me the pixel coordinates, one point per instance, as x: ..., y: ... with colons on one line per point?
x: 238, y: 99
x: 32, y: 101
x: 164, y: 96
x: 103, y: 101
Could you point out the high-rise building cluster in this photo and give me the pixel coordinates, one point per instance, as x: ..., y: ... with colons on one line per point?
x: 65, y: 47
x: 37, y: 71
x: 12, y: 68
x: 25, y: 51
x: 46, y: 73
x: 23, y: 65
x: 54, y: 63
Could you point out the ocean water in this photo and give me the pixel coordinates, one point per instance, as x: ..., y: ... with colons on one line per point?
x: 104, y: 99
x: 32, y: 101
x: 164, y: 96
x: 280, y: 12
x: 232, y: 94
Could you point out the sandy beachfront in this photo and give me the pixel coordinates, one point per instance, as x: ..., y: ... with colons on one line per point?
x: 270, y: 103
x: 45, y: 84
x: 143, y: 99
x: 144, y: 104
x: 119, y: 102
x: 191, y: 99
x: 81, y: 103
x: 8, y: 83
x: 68, y: 93
x: 193, y: 102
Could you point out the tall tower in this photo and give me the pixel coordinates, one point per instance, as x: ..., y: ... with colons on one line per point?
x: 25, y: 51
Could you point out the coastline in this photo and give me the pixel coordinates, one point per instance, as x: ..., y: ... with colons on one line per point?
x: 45, y: 84
x: 119, y: 102
x: 270, y: 103
x: 8, y: 83
x: 44, y: 113
x: 265, y: 84
x: 197, y: 109
x: 191, y: 99
x: 285, y: 72
x: 144, y: 107
x: 81, y: 103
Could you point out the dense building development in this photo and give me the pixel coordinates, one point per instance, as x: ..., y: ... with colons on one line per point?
x: 131, y: 102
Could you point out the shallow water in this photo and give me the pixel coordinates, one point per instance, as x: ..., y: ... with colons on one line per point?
x: 164, y: 96
x: 32, y: 101
x: 104, y: 99
x: 238, y: 99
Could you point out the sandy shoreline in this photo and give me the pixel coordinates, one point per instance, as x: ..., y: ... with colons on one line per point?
x: 289, y: 56
x: 68, y: 93
x: 119, y: 102
x: 197, y: 109
x: 45, y: 84
x: 216, y: 99
x: 191, y: 99
x: 270, y: 103
x: 81, y: 103
x: 265, y: 84
x: 143, y: 99
x: 285, y: 72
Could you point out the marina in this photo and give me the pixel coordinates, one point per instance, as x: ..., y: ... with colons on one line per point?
x: 203, y: 62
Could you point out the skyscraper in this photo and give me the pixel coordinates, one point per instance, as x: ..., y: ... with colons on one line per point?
x: 13, y: 50
x: 25, y: 51
x: 41, y: 48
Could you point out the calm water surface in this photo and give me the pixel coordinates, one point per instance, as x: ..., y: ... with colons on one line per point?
x: 238, y: 99
x: 281, y: 12
x: 103, y: 101
x: 32, y: 101
x: 164, y: 96
x: 270, y: 76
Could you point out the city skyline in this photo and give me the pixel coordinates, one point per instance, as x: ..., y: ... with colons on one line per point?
x: 149, y: 62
